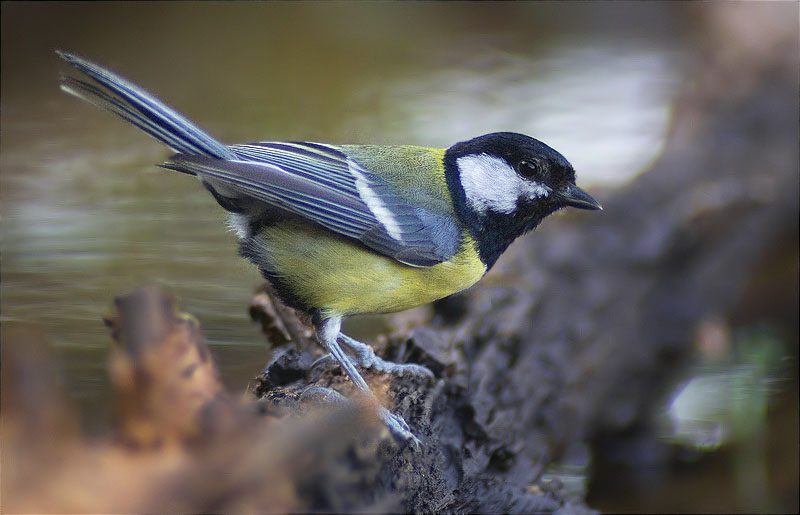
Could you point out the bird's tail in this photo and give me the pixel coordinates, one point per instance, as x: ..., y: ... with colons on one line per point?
x: 111, y: 92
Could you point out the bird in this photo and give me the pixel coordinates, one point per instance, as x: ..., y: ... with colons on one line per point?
x: 340, y: 230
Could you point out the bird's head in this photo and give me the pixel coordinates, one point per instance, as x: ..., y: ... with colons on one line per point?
x: 504, y: 184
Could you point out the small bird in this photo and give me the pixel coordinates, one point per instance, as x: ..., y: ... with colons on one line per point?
x: 342, y: 230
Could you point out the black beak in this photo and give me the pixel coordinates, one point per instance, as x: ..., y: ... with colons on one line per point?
x: 573, y: 196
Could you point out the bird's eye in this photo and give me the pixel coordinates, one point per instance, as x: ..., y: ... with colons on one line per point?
x: 530, y: 169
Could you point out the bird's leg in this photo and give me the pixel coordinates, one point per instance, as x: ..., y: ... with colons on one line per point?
x: 328, y: 331
x: 366, y: 358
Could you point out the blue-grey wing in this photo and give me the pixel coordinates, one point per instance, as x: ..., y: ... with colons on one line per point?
x: 322, y: 184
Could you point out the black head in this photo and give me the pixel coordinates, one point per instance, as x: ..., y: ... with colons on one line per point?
x: 504, y: 184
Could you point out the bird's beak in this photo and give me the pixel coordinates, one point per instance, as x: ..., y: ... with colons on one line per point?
x: 573, y: 196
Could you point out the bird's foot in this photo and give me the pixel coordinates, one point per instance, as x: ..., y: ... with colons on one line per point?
x: 395, y: 423
x: 398, y: 427
x: 328, y: 331
x: 365, y: 357
x: 322, y: 361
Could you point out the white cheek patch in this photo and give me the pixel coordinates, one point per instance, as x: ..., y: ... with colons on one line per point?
x: 374, y: 202
x: 491, y: 184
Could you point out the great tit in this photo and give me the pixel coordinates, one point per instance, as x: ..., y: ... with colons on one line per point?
x: 341, y: 230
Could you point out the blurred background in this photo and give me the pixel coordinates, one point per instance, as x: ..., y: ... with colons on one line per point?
x: 86, y: 216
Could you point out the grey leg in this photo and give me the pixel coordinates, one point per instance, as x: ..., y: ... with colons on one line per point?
x: 328, y: 331
x: 366, y: 358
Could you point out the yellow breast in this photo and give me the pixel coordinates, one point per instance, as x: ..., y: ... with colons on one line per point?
x: 341, y: 278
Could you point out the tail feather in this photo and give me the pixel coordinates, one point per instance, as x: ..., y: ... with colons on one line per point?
x: 138, y: 107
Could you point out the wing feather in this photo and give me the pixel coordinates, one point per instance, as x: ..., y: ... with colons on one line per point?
x: 320, y: 183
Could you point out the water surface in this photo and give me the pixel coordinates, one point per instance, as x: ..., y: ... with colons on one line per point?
x: 86, y: 216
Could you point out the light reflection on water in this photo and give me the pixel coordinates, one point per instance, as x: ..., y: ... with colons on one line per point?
x: 605, y: 107
x: 86, y: 216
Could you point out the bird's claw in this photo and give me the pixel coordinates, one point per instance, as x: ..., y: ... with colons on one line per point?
x: 398, y: 427
x: 365, y: 357
x: 322, y: 360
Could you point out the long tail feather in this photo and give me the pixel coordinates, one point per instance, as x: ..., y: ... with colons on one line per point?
x: 111, y: 92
